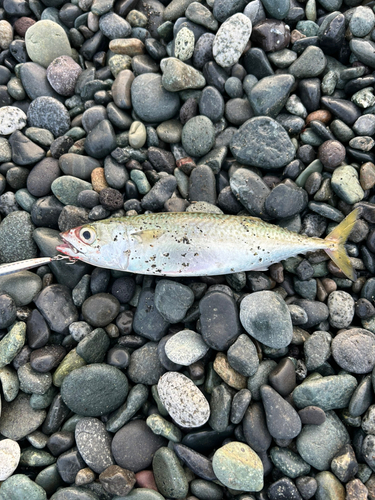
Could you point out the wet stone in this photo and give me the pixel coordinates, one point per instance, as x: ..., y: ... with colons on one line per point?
x: 172, y: 300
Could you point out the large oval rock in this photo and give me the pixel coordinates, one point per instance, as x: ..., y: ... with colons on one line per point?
x: 354, y: 350
x: 46, y: 40
x: 151, y: 102
x: 56, y: 305
x: 231, y: 40
x: 94, y: 390
x: 22, y: 286
x: 183, y: 400
x: 262, y: 142
x: 266, y: 317
x: 318, y: 444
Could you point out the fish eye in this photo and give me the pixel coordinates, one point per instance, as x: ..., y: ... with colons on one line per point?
x: 87, y: 235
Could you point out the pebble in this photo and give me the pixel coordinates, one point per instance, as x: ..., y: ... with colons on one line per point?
x: 11, y: 119
x: 283, y: 422
x: 179, y: 76
x: 169, y: 475
x: 151, y: 101
x: 10, y: 453
x: 353, y: 350
x: 96, y: 451
x: 92, y: 399
x: 49, y: 113
x: 265, y: 316
x: 262, y: 142
x: 18, y: 419
x: 172, y: 300
x: 346, y: 185
x: 45, y: 40
x: 183, y: 400
x: 186, y: 347
x: 135, y: 445
x: 20, y: 483
x: 231, y: 39
x: 237, y: 466
x: 62, y: 74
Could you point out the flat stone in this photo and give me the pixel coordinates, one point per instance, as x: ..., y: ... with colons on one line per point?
x: 18, y: 419
x: 172, y: 300
x: 270, y: 94
x: 94, y: 390
x: 262, y: 142
x: 11, y: 119
x: 186, y: 347
x: 169, y: 475
x: 183, y: 400
x: 231, y: 39
x: 238, y: 467
x: 364, y: 50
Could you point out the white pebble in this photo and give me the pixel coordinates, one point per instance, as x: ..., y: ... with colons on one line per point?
x: 11, y: 119
x: 10, y: 453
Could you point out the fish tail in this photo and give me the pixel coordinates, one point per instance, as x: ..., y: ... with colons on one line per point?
x: 336, y: 241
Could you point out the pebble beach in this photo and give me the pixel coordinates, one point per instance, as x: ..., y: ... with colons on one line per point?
x: 257, y: 385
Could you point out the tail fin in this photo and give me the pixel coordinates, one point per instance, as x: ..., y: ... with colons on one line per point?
x: 336, y: 240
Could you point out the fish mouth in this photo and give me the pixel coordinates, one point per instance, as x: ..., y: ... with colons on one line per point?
x: 67, y: 248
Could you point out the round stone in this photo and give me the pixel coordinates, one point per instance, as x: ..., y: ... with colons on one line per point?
x: 10, y: 454
x: 45, y: 40
x: 184, y: 402
x: 134, y: 445
x: 100, y: 309
x: 262, y: 142
x: 151, y: 102
x: 331, y: 153
x: 266, y: 317
x: 231, y: 40
x: 94, y: 390
x: 49, y: 113
x: 238, y: 467
x: 62, y: 74
x: 354, y: 350
x: 186, y: 347
x: 198, y: 136
x: 11, y: 119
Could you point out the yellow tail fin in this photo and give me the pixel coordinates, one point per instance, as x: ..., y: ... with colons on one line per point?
x: 336, y: 240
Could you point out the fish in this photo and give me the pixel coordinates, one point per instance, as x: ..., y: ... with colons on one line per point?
x: 189, y: 244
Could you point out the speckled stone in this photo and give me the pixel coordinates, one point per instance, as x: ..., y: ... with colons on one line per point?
x: 231, y: 40
x: 169, y: 475
x: 184, y: 44
x: 179, y: 76
x: 183, y: 400
x: 11, y: 119
x: 341, y: 309
x: 12, y: 343
x: 262, y: 142
x: 354, y: 350
x: 186, y: 347
x: 238, y: 467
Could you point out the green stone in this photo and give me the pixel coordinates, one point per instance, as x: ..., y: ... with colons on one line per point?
x: 41, y: 401
x: 70, y: 424
x: 329, y: 393
x: 9, y: 383
x: 346, y: 185
x: 40, y: 136
x: 289, y: 463
x: 318, y: 444
x: 20, y: 487
x: 169, y: 475
x: 33, y: 382
x: 364, y: 98
x: 315, y: 166
x: 140, y: 180
x: 33, y: 457
x: 94, y: 346
x: 67, y: 188
x: 206, y: 490
x: 49, y: 479
x: 136, y: 398
x: 162, y: 427
x: 71, y: 362
x: 22, y: 286
x: 12, y: 343
x: 25, y: 199
x: 238, y: 467
x: 45, y: 41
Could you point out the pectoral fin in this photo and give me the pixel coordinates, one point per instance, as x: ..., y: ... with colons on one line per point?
x: 147, y: 236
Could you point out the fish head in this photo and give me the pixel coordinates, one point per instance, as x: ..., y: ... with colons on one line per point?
x: 80, y: 243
